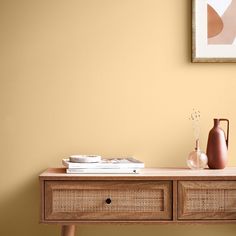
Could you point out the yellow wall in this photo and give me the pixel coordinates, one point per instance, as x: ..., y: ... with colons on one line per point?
x: 109, y: 77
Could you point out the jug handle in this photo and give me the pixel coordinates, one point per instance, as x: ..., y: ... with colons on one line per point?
x: 227, y: 136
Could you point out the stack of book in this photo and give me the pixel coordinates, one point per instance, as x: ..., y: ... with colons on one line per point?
x: 98, y: 165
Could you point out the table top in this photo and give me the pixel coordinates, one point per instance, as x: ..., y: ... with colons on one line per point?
x: 228, y: 173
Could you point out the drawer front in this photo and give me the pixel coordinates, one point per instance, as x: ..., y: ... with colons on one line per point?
x: 108, y: 200
x: 199, y: 200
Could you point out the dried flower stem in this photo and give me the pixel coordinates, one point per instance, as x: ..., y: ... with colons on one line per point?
x: 195, y: 118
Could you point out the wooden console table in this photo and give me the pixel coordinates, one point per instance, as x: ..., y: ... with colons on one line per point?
x: 156, y: 195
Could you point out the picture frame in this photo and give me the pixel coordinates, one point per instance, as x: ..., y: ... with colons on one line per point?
x: 213, y: 30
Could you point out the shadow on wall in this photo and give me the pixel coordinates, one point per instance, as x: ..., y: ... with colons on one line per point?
x: 154, y: 230
x: 19, y: 215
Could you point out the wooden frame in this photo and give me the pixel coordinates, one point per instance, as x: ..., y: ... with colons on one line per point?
x: 211, y: 45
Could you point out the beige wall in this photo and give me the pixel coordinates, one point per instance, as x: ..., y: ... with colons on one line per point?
x: 109, y: 77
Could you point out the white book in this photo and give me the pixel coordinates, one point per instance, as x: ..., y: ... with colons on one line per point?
x: 111, y: 163
x: 102, y: 171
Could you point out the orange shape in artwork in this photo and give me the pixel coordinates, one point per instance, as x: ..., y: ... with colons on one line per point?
x: 214, y: 21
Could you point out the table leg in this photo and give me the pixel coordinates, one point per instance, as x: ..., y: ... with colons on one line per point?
x: 68, y: 230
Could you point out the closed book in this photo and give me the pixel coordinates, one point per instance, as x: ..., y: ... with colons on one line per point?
x: 111, y: 163
x: 102, y: 171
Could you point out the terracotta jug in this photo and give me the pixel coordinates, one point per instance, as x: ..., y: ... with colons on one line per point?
x: 217, y: 146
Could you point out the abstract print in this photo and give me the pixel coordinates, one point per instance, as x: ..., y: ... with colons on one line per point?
x: 221, y: 22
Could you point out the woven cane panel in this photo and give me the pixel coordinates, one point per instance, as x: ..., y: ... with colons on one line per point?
x: 73, y: 200
x: 230, y: 200
x: 210, y: 200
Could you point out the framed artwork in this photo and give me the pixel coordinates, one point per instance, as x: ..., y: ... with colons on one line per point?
x: 213, y: 30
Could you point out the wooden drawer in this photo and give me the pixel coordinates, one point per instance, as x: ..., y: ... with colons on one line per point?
x: 200, y: 200
x: 108, y: 200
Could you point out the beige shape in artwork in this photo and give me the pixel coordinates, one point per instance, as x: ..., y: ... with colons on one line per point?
x: 228, y: 33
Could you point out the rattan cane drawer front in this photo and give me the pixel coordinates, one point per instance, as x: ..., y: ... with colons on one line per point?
x: 206, y: 200
x: 108, y: 200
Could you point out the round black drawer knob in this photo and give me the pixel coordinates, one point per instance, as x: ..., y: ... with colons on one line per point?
x: 108, y: 201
